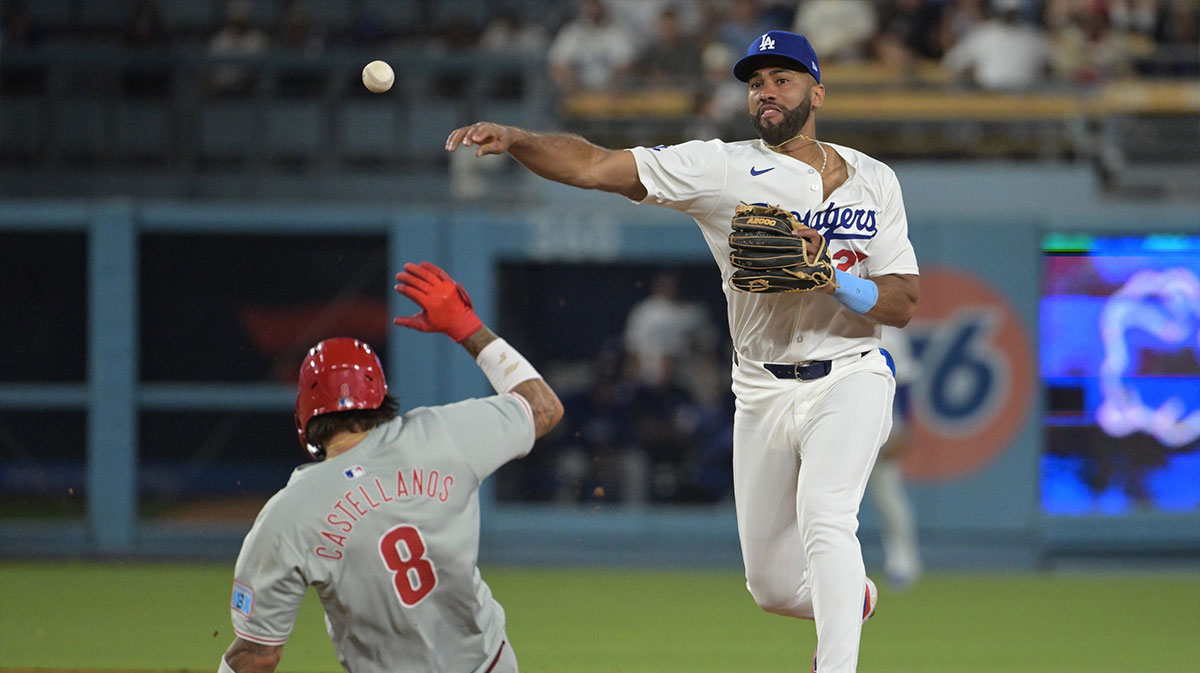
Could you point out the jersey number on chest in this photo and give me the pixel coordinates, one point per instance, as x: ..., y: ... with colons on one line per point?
x: 403, y: 551
x: 844, y: 259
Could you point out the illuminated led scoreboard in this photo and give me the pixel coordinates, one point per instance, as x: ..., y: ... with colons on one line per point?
x: 1119, y: 342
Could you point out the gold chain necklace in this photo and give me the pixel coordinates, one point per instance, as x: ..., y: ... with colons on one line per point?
x: 820, y: 146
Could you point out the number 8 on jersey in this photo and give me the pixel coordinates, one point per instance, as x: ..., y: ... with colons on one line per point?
x: 403, y: 552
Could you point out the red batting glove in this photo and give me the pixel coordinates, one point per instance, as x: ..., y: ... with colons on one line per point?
x: 446, y: 306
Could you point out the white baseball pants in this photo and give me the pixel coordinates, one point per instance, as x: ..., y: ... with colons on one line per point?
x: 802, y: 454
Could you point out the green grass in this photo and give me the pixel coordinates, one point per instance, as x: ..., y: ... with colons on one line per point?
x: 174, y: 617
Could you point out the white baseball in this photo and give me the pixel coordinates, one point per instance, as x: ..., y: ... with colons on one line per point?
x: 378, y: 76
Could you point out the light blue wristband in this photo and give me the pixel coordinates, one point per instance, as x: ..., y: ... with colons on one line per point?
x: 857, y: 294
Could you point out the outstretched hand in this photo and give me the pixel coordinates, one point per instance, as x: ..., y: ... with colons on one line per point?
x: 488, y: 138
x: 445, y: 305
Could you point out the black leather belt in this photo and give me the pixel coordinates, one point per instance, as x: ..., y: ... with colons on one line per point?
x: 805, y: 371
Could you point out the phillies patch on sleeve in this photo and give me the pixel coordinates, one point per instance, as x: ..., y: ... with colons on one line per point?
x: 243, y: 598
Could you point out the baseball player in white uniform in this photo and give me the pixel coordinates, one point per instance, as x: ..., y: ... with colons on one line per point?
x: 814, y: 394
x: 901, y: 551
x: 386, y: 524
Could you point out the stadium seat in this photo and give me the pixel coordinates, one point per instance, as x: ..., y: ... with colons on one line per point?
x: 426, y: 126
x: 397, y: 15
x: 333, y: 16
x: 367, y: 130
x: 53, y: 15
x: 514, y: 113
x: 143, y: 130
x: 1151, y: 154
x: 105, y: 17
x: 294, y: 129
x: 80, y: 128
x: 22, y: 123
x: 1154, y: 138
x: 228, y: 130
x: 478, y: 11
x: 196, y: 17
x: 265, y: 13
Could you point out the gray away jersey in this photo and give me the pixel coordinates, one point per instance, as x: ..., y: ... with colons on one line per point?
x: 388, y: 533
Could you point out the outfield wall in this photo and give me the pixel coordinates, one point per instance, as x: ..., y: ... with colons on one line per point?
x: 977, y: 230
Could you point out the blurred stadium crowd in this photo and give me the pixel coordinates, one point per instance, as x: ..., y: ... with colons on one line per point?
x: 601, y: 44
x: 171, y: 82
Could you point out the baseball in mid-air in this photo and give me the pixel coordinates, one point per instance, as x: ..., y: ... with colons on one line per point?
x: 378, y: 76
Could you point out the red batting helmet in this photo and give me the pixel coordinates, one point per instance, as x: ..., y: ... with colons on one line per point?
x: 339, y: 374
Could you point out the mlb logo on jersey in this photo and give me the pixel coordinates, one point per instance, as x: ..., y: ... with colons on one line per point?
x: 354, y: 472
x: 243, y: 598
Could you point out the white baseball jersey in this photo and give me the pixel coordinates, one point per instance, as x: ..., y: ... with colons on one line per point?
x: 863, y: 220
x: 897, y: 344
x: 388, y: 533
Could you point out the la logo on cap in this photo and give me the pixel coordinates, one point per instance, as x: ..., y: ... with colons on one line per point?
x: 767, y: 42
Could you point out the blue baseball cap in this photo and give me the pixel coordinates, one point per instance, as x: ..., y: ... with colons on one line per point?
x: 781, y: 45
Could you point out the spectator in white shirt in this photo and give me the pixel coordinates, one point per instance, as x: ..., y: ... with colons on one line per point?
x: 838, y: 30
x: 593, y: 52
x: 663, y: 328
x: 239, y: 36
x: 1002, y: 53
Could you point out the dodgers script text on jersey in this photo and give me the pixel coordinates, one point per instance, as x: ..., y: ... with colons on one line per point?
x: 840, y: 222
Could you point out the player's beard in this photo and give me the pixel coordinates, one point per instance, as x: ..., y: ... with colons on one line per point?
x: 787, y: 128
